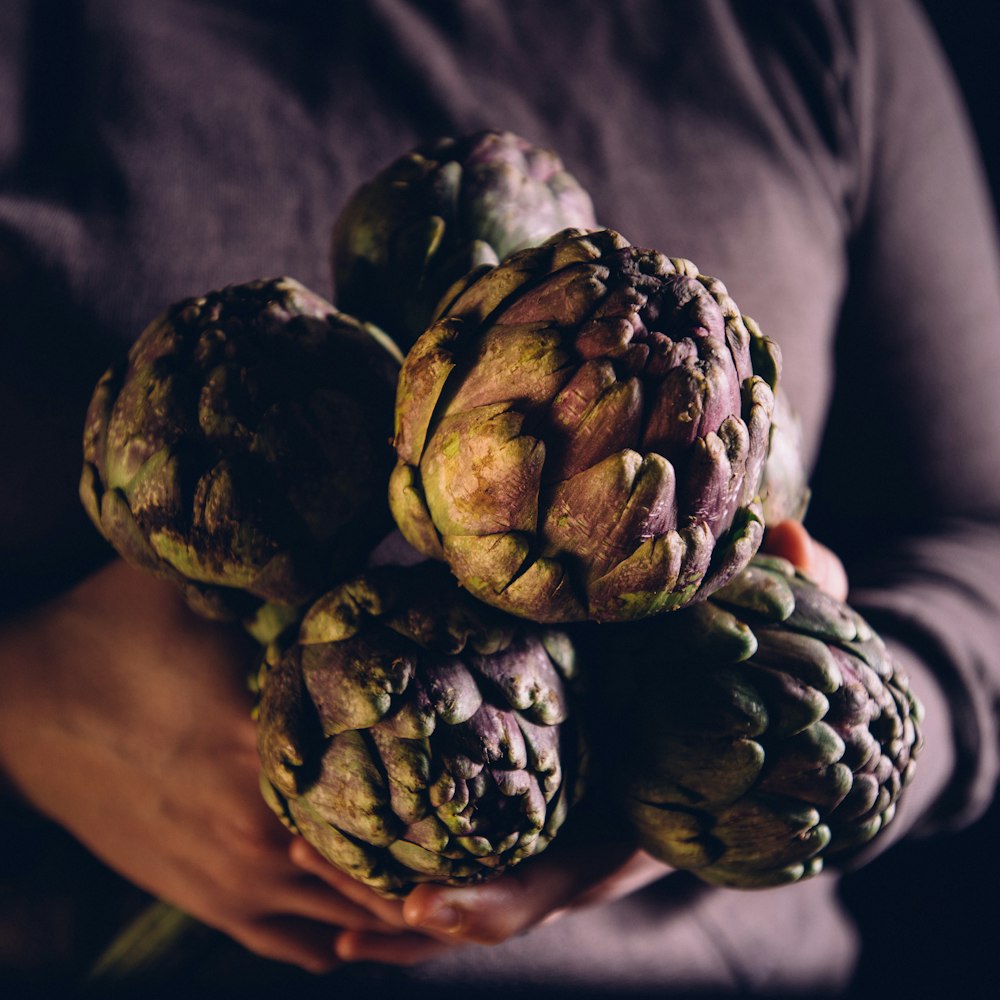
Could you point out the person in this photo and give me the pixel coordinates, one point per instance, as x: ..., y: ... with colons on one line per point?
x: 815, y: 156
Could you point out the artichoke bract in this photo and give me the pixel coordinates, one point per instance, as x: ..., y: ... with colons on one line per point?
x: 411, y: 734
x: 768, y: 730
x: 241, y: 448
x: 785, y: 491
x: 440, y: 211
x: 581, y: 433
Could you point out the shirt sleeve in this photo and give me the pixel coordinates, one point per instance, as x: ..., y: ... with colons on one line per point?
x: 907, y: 486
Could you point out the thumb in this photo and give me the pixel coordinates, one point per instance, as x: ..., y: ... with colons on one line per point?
x: 791, y: 541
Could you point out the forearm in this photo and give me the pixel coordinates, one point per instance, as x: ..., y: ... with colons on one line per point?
x: 907, y: 484
x: 935, y: 594
x: 31, y: 706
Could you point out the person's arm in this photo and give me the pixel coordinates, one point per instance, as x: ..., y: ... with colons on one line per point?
x: 126, y: 719
x: 907, y: 485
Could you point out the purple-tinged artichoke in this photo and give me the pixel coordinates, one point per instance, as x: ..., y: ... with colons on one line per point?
x: 241, y: 449
x: 766, y: 730
x: 441, y: 210
x: 411, y: 734
x: 581, y: 433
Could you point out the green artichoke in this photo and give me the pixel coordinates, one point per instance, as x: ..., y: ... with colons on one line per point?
x: 242, y: 448
x: 581, y: 433
x: 438, y: 212
x: 767, y: 729
x: 785, y: 492
x: 411, y: 734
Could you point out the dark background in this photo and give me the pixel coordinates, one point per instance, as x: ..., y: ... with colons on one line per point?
x: 930, y: 913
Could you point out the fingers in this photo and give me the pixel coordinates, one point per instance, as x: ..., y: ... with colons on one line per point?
x: 828, y: 571
x: 519, y: 899
x: 314, y: 900
x: 381, y: 934
x: 380, y: 913
x: 300, y: 918
x: 432, y: 919
x: 403, y: 949
x: 281, y: 910
x: 791, y: 541
x: 492, y: 913
x: 290, y: 939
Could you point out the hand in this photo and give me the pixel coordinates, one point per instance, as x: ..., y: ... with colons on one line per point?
x: 573, y: 873
x: 791, y: 541
x: 126, y: 719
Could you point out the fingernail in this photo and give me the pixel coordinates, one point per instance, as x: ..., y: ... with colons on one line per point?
x: 445, y: 919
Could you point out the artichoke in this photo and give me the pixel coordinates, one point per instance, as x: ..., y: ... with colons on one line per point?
x: 438, y: 212
x: 241, y: 448
x: 785, y: 492
x: 581, y: 434
x: 411, y: 734
x: 768, y: 730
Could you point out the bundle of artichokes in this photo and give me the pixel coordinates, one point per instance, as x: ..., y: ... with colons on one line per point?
x: 581, y: 433
x: 767, y: 729
x: 413, y: 734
